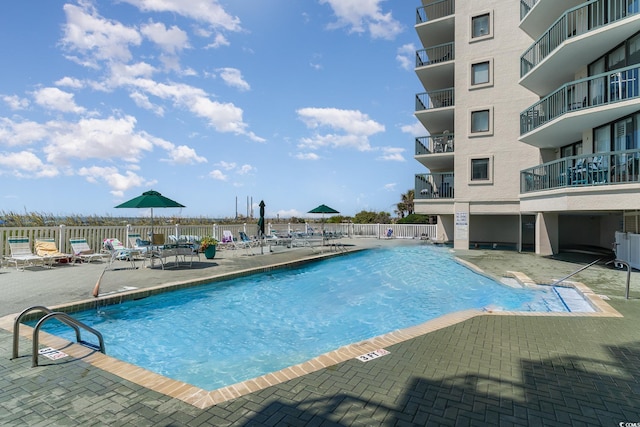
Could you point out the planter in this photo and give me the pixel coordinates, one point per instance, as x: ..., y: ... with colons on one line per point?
x: 210, y: 252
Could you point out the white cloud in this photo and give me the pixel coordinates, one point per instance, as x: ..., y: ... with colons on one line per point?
x: 25, y: 164
x: 416, y: 129
x: 226, y: 165
x: 392, y: 154
x: 15, y: 102
x: 307, y: 156
x: 21, y: 133
x: 218, y: 41
x: 118, y: 182
x: 71, y: 82
x: 94, y: 37
x: 390, y: 187
x: 224, y: 117
x: 406, y: 56
x: 111, y: 138
x: 245, y: 169
x: 53, y: 98
x: 356, y: 128
x: 364, y: 15
x: 207, y: 11
x: 185, y: 156
x: 233, y: 78
x: 218, y: 175
x: 170, y: 40
x: 142, y: 101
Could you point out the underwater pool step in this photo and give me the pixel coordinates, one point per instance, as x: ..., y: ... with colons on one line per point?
x: 573, y: 300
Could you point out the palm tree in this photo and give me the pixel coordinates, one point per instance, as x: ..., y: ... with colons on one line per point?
x: 406, y: 205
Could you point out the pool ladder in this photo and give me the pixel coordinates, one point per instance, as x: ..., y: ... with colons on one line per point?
x: 50, y: 314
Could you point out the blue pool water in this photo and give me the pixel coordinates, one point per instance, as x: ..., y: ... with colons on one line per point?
x: 226, y: 332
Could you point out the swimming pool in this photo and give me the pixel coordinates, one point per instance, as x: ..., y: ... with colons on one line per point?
x: 219, y: 334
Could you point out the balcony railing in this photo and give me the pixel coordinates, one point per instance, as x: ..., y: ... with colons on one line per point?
x: 598, y: 90
x: 434, y: 55
x: 442, y: 143
x: 525, y: 7
x: 615, y: 167
x: 434, y: 186
x: 434, y: 99
x: 577, y: 21
x: 435, y: 10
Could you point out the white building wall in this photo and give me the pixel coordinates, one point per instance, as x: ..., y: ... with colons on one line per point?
x: 505, y: 98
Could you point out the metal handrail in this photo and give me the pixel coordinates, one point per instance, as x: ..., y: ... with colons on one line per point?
x: 576, y: 272
x: 65, y: 318
x: 18, y: 319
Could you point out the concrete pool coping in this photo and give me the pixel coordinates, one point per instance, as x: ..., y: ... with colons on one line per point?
x: 203, y: 399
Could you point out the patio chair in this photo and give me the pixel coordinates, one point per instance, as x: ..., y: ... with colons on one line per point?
x: 118, y: 251
x: 228, y: 241
x: 20, y: 248
x: 82, y: 251
x: 136, y: 242
x: 48, y: 249
x: 247, y: 240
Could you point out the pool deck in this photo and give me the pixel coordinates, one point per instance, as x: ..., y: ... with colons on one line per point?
x: 474, y: 368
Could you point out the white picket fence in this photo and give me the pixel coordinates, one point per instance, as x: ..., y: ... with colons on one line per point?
x: 96, y: 235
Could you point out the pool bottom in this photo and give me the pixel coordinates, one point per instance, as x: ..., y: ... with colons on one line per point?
x: 203, y: 399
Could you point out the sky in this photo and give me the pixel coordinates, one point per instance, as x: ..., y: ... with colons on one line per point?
x: 217, y: 104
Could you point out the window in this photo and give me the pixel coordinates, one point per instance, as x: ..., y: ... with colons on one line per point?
x: 480, y: 121
x: 602, y: 139
x: 634, y: 50
x: 616, y: 58
x: 480, y: 73
x: 574, y: 149
x: 480, y: 25
x: 480, y: 169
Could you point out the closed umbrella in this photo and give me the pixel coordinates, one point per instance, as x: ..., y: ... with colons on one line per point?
x: 261, y: 219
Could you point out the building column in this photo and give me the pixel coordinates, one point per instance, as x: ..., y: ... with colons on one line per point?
x: 546, y: 233
x: 461, y: 226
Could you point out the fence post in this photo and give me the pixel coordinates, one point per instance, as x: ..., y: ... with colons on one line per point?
x: 177, y: 232
x: 61, y: 238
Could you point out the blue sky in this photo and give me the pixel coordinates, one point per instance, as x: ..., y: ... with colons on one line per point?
x: 296, y: 103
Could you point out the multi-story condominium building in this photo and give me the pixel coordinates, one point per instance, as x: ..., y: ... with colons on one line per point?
x: 532, y: 118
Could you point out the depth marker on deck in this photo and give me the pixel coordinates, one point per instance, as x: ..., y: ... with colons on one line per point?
x: 52, y: 353
x: 373, y: 355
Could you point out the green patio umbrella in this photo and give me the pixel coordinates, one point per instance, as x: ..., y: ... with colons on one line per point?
x: 150, y: 199
x: 323, y: 209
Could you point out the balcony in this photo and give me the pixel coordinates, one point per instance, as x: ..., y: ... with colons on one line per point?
x: 571, y: 42
x: 538, y: 15
x: 525, y: 7
x: 588, y: 170
x: 435, y: 110
x: 435, y: 66
x: 434, y: 186
x: 435, y: 152
x: 583, y: 104
x: 435, y: 22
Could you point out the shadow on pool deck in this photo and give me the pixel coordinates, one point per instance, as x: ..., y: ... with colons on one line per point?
x: 528, y: 370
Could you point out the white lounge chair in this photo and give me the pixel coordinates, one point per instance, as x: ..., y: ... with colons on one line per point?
x: 83, y: 252
x: 48, y: 249
x: 21, y: 253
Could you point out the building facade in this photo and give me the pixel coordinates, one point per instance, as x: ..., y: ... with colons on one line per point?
x: 531, y: 111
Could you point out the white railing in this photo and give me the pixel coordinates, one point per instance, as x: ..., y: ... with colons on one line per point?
x: 95, y: 235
